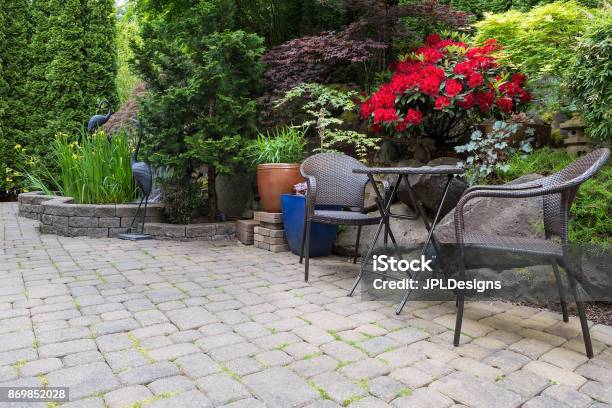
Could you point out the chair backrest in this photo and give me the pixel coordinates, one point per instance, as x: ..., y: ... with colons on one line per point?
x: 556, y: 206
x: 336, y: 182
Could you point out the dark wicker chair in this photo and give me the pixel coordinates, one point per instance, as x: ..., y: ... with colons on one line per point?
x: 331, y: 181
x: 558, y: 192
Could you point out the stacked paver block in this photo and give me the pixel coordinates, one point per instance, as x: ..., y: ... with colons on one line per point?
x: 245, y: 231
x: 270, y: 234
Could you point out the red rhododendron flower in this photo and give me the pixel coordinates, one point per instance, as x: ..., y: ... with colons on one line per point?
x: 430, y: 55
x: 505, y: 104
x: 464, y: 68
x: 475, y: 80
x: 484, y: 100
x: 467, y: 102
x: 385, y: 115
x: 453, y: 87
x: 437, y: 67
x: 432, y: 39
x: 429, y: 85
x: 441, y: 102
x: 401, y: 82
x: 414, y: 116
x: 525, y: 96
x: 518, y: 78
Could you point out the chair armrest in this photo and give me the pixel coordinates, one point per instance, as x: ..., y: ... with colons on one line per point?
x: 533, y: 190
x: 506, y: 187
x: 311, y: 195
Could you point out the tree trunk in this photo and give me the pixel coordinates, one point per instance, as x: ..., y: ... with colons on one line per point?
x: 212, y: 194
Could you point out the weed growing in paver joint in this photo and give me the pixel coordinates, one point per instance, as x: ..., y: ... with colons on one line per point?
x: 76, y: 304
x: 357, y: 346
x: 382, y: 360
x: 281, y: 346
x: 320, y: 390
x: 163, y: 395
x: 36, y: 344
x: 334, y: 334
x: 363, y: 384
x: 313, y: 355
x: 367, y: 336
x: 404, y: 392
x: 101, y: 277
x: 306, y: 320
x: 52, y: 405
x: 136, y: 345
x: 231, y: 373
x: 500, y: 377
x: 19, y: 365
x: 43, y: 380
x: 343, y: 363
x: 351, y: 399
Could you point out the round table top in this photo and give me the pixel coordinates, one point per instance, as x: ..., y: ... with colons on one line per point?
x: 410, y: 170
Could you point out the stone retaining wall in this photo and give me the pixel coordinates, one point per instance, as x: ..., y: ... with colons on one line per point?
x: 60, y: 216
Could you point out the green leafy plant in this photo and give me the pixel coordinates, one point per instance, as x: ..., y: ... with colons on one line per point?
x: 539, y: 43
x: 180, y: 196
x: 590, y: 77
x: 490, y: 152
x: 282, y: 145
x: 328, y: 109
x: 92, y: 171
x: 591, y: 220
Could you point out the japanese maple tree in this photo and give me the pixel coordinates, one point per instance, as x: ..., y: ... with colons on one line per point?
x: 442, y: 88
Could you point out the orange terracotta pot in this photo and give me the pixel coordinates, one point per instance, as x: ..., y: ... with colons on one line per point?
x: 274, y: 179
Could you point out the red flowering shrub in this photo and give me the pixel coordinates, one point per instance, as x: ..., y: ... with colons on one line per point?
x: 441, y: 89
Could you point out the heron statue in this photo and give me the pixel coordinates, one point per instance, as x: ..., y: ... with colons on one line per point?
x: 141, y: 172
x: 98, y: 120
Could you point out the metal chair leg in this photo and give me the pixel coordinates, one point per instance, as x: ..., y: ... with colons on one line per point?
x: 303, y: 239
x: 586, y: 335
x: 364, y: 260
x: 357, y: 245
x: 561, y: 290
x: 460, y: 302
x: 307, y: 249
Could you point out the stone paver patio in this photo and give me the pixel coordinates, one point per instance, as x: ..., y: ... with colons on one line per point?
x: 169, y: 324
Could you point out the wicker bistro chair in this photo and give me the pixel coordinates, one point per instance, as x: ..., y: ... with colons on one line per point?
x: 331, y: 181
x: 558, y: 192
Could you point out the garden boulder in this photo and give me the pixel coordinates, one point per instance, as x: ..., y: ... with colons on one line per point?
x: 513, y: 217
x: 430, y: 188
x: 406, y: 232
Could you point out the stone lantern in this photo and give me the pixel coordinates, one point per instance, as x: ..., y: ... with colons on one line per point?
x: 575, y: 142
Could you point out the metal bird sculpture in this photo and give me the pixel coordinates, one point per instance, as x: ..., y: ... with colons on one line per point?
x: 141, y: 172
x: 98, y: 120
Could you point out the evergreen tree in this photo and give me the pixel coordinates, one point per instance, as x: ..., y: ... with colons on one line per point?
x: 15, y: 28
x: 65, y: 75
x: 100, y: 53
x: 36, y: 86
x: 202, y: 74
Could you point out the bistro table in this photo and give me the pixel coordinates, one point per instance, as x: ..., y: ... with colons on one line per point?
x: 384, y: 206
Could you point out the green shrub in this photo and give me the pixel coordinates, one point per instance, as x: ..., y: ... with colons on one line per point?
x: 540, y: 44
x: 590, y: 77
x: 180, y: 196
x: 591, y: 213
x: 283, y: 145
x: 94, y: 171
x: 127, y: 32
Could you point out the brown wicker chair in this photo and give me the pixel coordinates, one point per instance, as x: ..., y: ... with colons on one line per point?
x: 331, y: 181
x: 558, y: 192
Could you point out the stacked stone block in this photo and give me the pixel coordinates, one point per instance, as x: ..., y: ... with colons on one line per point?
x: 245, y: 231
x: 270, y: 234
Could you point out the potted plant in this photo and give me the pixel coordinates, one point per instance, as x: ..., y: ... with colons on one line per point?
x: 322, y: 236
x: 278, y: 155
